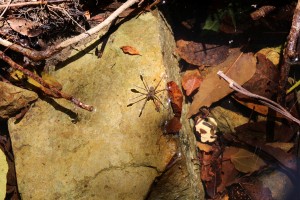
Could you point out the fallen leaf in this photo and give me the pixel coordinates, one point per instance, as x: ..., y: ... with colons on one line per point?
x: 265, y: 80
x: 25, y: 27
x: 176, y: 97
x: 173, y: 126
x: 257, y: 191
x: 51, y: 80
x: 239, y: 66
x: 257, y: 131
x: 273, y: 54
x: 201, y: 53
x: 254, y: 105
x: 191, y: 81
x: 228, y: 175
x: 285, y: 146
x: 130, y: 50
x: 204, y: 147
x: 246, y: 161
x: 17, y: 75
x: 289, y: 160
x: 210, y: 173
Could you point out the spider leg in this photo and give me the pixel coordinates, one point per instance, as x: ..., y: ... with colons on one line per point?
x: 157, y: 108
x: 141, y: 88
x: 143, y: 107
x: 157, y: 99
x: 158, y: 83
x: 136, y: 91
x: 158, y: 91
x: 137, y: 96
x: 144, y: 82
x: 136, y: 101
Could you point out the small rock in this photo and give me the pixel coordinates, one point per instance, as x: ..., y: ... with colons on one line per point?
x: 13, y: 98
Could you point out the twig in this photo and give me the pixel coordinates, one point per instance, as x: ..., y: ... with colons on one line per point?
x: 275, y: 106
x: 55, y: 7
x: 6, y: 7
x: 48, y: 89
x: 290, y: 55
x: 32, y: 3
x: 42, y: 55
x: 294, y: 34
x: 262, y: 12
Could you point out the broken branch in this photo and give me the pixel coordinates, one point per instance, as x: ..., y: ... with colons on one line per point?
x: 48, y: 89
x: 275, y: 106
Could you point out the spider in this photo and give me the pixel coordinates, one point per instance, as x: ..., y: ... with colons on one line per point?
x: 150, y: 94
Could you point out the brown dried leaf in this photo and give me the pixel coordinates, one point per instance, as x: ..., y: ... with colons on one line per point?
x: 265, y: 80
x: 287, y: 159
x: 25, y: 27
x: 201, y: 53
x: 239, y: 67
x: 254, y: 105
x: 173, y: 126
x: 191, y: 81
x: 204, y: 147
x: 176, y: 97
x: 285, y: 146
x: 257, y: 130
x: 130, y: 50
x: 228, y: 175
x: 246, y: 161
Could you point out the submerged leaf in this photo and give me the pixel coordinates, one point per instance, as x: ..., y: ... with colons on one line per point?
x: 197, y: 53
x: 239, y: 66
x: 191, y: 81
x: 246, y: 161
x: 285, y: 146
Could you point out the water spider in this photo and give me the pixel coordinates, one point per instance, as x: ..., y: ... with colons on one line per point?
x: 149, y: 93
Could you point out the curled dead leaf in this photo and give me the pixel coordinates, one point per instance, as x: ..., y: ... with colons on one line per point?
x: 176, y: 97
x: 130, y: 50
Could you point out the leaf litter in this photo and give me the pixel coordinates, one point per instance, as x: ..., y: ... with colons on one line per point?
x: 239, y: 65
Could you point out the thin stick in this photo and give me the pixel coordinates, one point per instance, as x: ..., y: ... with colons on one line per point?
x: 55, y: 7
x: 42, y: 55
x: 275, y: 106
x: 6, y: 7
x: 32, y: 3
x: 294, y: 34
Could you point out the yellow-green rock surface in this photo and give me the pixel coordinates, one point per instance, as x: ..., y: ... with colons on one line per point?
x: 64, y: 152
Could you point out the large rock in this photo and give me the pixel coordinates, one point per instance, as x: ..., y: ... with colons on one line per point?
x: 63, y: 152
x: 3, y: 174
